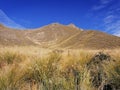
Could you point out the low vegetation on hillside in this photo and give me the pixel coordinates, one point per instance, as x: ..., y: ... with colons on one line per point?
x: 33, y: 68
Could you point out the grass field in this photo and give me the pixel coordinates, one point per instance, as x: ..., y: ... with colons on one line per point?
x: 34, y: 68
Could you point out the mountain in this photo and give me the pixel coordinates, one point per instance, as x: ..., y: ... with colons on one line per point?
x: 57, y: 35
x: 10, y: 37
x: 51, y: 34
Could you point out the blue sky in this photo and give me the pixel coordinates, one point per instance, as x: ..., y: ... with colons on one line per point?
x: 101, y: 15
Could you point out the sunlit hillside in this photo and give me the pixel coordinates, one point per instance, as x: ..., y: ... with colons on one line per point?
x: 57, y: 35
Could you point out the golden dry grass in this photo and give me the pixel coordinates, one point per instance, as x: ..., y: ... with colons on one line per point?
x: 34, y: 68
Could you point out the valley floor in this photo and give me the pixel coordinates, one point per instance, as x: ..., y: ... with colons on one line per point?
x: 35, y: 68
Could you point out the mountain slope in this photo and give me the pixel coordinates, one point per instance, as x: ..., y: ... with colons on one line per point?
x: 92, y: 39
x: 58, y: 35
x: 51, y: 34
x: 13, y: 37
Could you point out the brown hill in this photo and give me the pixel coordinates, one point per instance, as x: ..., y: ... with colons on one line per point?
x: 10, y: 37
x: 51, y: 34
x: 58, y: 35
x: 92, y: 39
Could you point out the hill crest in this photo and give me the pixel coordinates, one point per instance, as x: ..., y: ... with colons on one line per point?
x: 56, y: 35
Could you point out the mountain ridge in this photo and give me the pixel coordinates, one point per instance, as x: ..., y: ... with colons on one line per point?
x: 57, y: 35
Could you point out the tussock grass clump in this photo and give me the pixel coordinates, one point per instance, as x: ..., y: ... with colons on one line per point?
x: 73, y: 70
x: 113, y: 74
x: 9, y: 58
x: 11, y: 78
x: 43, y: 71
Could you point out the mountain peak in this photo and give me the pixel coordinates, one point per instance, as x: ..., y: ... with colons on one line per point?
x: 56, y: 24
x: 59, y: 35
x: 73, y: 25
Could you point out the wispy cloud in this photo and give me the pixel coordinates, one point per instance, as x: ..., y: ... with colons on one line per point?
x: 117, y: 33
x: 114, y: 27
x: 98, y: 7
x: 105, y: 1
x: 5, y: 20
x: 102, y: 4
x: 112, y: 24
x: 110, y: 19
